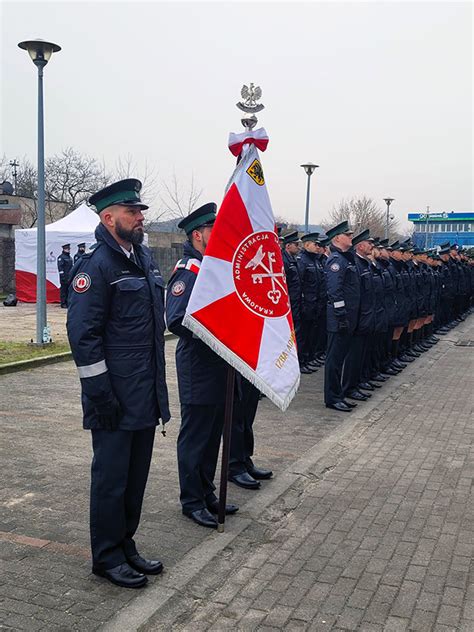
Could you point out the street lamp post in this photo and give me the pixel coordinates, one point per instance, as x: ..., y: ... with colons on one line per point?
x: 309, y: 170
x: 387, y: 201
x: 40, y: 53
x: 427, y: 224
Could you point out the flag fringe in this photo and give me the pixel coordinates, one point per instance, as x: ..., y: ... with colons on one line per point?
x: 231, y: 358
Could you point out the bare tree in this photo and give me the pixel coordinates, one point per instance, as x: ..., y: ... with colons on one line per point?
x: 361, y: 213
x: 71, y: 177
x: 177, y: 201
x: 287, y: 224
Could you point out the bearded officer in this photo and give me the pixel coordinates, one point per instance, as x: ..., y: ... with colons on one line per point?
x: 202, y: 378
x: 64, y: 268
x: 343, y: 299
x: 116, y: 330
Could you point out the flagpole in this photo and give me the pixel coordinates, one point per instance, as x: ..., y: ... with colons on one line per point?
x: 250, y: 107
x: 229, y: 407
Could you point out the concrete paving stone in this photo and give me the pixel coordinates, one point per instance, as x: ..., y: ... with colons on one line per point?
x: 453, y: 596
x: 295, y: 625
x: 307, y: 609
x: 449, y: 615
x: 457, y: 579
x: 278, y: 616
x: 428, y: 601
x: 266, y: 600
x: 360, y: 598
x: 396, y: 624
x: 251, y: 619
x: 333, y: 604
x: 422, y: 620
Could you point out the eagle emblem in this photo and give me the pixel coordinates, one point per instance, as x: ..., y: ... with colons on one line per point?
x: 250, y: 95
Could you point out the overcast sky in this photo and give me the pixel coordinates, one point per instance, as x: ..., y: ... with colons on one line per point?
x: 378, y: 94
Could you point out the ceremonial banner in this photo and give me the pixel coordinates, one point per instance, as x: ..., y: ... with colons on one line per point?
x: 239, y: 305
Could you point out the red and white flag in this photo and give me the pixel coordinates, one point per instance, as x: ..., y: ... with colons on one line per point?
x: 239, y: 305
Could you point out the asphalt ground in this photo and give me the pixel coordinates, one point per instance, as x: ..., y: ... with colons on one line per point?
x: 367, y: 508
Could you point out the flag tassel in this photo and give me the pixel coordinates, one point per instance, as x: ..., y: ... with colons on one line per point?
x: 231, y: 358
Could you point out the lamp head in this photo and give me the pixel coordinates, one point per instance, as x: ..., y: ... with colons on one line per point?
x: 39, y: 50
x: 309, y: 168
x: 388, y: 200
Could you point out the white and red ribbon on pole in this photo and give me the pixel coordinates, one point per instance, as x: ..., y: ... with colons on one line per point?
x: 257, y: 137
x: 239, y: 305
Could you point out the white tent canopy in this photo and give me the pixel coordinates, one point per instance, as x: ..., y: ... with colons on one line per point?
x: 75, y: 228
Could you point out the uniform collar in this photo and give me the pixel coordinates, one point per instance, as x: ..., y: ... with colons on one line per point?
x: 190, y: 251
x: 103, y: 235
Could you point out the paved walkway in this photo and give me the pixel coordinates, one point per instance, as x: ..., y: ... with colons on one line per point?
x: 18, y: 324
x: 366, y: 526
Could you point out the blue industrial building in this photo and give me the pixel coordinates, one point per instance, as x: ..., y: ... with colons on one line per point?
x: 433, y: 229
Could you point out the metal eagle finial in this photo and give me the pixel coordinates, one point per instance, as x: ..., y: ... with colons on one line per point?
x: 250, y: 95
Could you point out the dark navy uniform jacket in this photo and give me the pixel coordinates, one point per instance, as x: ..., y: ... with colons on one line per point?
x: 366, y: 319
x: 64, y: 267
x: 409, y: 280
x: 381, y: 316
x: 202, y: 374
x: 116, y: 329
x: 293, y: 281
x: 420, y: 289
x: 402, y: 303
x: 389, y: 290
x: 343, y: 291
x: 77, y: 256
x: 311, y: 276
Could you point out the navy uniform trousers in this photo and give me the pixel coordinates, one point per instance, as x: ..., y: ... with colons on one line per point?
x: 118, y: 478
x: 242, y: 441
x: 338, y: 347
x: 353, y: 367
x: 198, y: 450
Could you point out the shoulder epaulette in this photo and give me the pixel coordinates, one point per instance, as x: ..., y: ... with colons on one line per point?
x: 191, y: 264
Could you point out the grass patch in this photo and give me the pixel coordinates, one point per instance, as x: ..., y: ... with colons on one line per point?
x: 18, y: 351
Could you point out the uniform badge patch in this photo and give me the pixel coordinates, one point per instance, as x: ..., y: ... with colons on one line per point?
x: 81, y: 282
x: 178, y: 288
x: 255, y: 171
x: 335, y: 267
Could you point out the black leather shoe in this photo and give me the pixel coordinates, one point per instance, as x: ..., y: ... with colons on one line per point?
x: 148, y: 567
x: 418, y: 348
x: 213, y: 507
x: 341, y: 406
x: 351, y: 404
x: 258, y: 473
x: 122, y: 575
x: 244, y: 480
x: 397, y: 363
x: 391, y: 371
x: 378, y: 378
x: 365, y: 386
x: 406, y: 358
x: 317, y: 363
x: 313, y: 366
x: 412, y: 354
x: 357, y: 395
x: 202, y: 517
x: 374, y: 384
x: 304, y: 370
